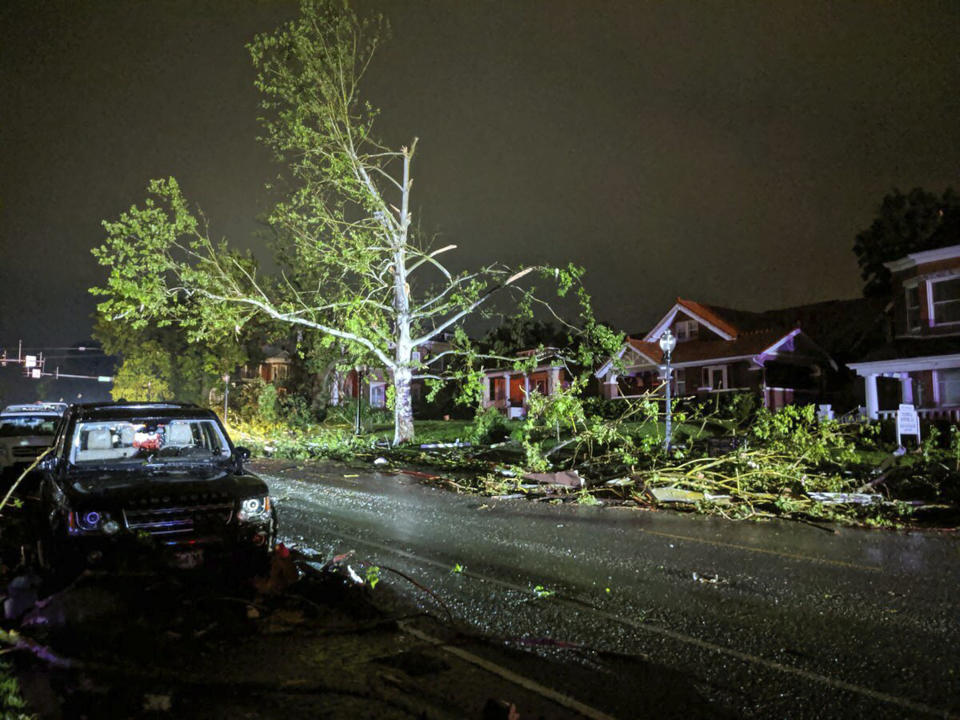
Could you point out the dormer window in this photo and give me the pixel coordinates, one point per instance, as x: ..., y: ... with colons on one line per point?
x: 913, y: 308
x: 946, y: 301
x: 685, y: 330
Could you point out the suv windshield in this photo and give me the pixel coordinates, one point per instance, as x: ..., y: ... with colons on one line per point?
x: 12, y: 426
x: 147, y: 439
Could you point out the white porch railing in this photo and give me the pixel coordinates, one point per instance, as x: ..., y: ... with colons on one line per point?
x: 952, y: 414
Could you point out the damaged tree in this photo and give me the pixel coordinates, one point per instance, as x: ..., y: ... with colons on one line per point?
x: 352, y: 268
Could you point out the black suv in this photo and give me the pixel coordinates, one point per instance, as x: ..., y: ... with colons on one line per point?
x: 152, y: 480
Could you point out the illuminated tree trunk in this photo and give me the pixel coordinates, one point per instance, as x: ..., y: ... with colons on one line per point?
x: 403, y: 407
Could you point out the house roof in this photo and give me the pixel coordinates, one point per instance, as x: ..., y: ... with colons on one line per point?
x: 921, y: 258
x: 843, y: 328
x: 726, y: 322
x: 746, y: 344
x: 731, y: 321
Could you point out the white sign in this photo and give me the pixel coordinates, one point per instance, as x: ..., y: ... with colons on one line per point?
x: 35, y: 373
x: 29, y: 361
x: 908, y: 423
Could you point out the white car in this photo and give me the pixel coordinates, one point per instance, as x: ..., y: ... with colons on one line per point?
x: 25, y: 432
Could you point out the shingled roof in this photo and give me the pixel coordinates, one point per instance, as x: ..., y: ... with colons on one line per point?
x: 745, y: 344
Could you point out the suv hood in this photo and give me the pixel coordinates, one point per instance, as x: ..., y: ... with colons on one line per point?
x: 163, y: 485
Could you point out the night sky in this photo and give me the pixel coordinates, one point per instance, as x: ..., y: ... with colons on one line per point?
x: 723, y: 151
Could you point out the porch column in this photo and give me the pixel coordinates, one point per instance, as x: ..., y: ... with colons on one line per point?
x: 526, y: 388
x: 487, y: 390
x: 870, y: 392
x: 906, y: 389
x: 610, y: 387
x: 506, y: 388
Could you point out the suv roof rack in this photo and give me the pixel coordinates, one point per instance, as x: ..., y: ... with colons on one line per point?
x: 122, y: 404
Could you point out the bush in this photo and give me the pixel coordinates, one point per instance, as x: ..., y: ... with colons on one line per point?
x: 489, y: 426
x: 295, y: 411
x: 603, y: 408
x: 268, y: 405
x: 795, y: 430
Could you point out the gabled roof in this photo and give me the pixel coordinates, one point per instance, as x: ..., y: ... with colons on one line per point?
x: 708, y: 314
x: 725, y: 322
x: 756, y: 345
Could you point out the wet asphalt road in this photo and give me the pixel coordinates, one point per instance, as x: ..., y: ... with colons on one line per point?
x: 752, y: 619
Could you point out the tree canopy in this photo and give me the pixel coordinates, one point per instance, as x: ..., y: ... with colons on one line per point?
x: 353, y: 269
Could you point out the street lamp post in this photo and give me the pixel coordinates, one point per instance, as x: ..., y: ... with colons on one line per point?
x: 359, y: 372
x: 667, y: 343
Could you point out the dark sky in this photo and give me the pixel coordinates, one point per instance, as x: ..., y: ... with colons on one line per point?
x: 723, y: 151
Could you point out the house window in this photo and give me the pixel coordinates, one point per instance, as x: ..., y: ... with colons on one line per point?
x: 415, y: 357
x: 948, y: 386
x: 377, y: 396
x: 714, y: 377
x: 280, y: 372
x: 946, y: 301
x: 685, y: 330
x: 913, y: 308
x: 681, y: 381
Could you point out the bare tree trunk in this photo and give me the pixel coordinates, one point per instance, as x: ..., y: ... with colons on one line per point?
x: 403, y: 407
x: 402, y: 372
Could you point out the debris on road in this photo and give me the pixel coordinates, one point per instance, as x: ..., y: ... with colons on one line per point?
x: 673, y: 494
x: 567, y: 478
x: 710, y: 579
x: 835, y: 498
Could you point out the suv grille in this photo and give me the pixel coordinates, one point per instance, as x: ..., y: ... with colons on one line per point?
x: 30, y: 451
x: 190, y: 515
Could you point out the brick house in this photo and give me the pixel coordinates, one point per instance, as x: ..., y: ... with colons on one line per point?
x: 921, y: 365
x: 276, y: 367
x: 508, y: 390
x: 372, y: 382
x: 722, y: 350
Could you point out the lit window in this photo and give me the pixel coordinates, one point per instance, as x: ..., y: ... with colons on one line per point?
x: 946, y: 301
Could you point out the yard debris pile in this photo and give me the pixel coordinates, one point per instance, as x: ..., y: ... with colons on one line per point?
x: 788, y: 463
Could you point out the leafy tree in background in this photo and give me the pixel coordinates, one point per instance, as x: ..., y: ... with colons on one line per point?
x: 917, y: 221
x: 352, y: 267
x: 159, y: 364
x: 524, y: 333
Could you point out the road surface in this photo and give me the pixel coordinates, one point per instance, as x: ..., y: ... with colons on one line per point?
x: 771, y: 619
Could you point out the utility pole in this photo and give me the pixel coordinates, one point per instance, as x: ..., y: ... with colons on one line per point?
x: 359, y: 395
x: 226, y: 394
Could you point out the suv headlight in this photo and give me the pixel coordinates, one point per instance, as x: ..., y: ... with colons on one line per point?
x: 254, y: 508
x: 92, y: 521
